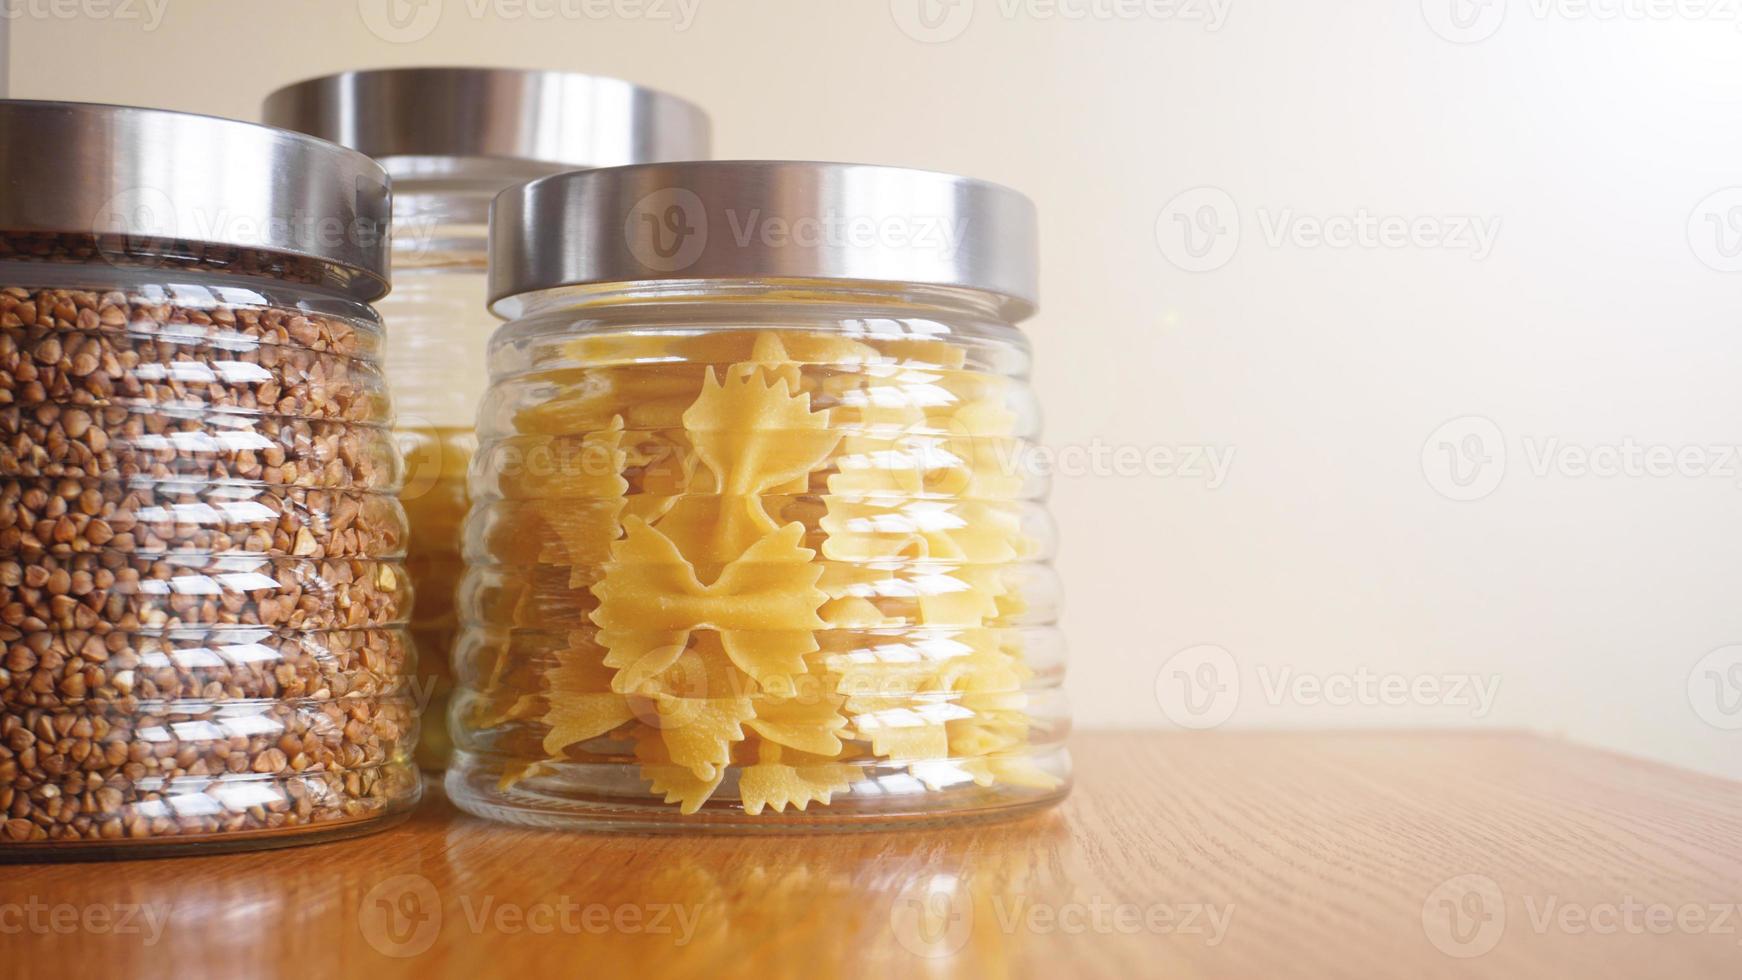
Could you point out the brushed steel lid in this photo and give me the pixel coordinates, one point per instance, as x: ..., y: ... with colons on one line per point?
x: 433, y: 122
x: 155, y: 175
x: 748, y: 219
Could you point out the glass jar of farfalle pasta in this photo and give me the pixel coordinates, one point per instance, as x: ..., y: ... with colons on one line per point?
x: 752, y: 544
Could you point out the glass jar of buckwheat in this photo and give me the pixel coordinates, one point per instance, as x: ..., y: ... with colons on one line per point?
x: 202, y: 586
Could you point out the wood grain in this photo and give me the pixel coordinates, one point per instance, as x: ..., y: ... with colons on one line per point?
x: 1271, y: 855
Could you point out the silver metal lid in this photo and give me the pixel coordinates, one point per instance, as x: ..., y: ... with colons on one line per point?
x: 734, y: 220
x: 151, y: 175
x: 429, y: 122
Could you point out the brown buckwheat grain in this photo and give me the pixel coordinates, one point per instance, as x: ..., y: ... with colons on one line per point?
x: 202, y: 592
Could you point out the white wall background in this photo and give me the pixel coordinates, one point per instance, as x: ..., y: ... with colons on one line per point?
x: 1605, y: 314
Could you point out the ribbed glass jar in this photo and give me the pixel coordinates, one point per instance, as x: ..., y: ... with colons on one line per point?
x: 202, y: 584
x: 758, y: 555
x: 434, y: 357
x: 202, y: 579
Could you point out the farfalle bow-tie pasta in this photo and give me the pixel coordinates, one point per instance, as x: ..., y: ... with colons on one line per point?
x: 758, y: 568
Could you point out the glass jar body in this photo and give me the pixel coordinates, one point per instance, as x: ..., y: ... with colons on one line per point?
x: 202, y: 585
x: 757, y: 557
x: 437, y: 337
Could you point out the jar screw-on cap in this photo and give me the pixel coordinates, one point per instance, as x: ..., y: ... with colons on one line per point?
x: 427, y: 122
x: 70, y: 168
x: 764, y: 220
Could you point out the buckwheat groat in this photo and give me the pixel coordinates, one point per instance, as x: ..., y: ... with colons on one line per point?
x: 201, y: 570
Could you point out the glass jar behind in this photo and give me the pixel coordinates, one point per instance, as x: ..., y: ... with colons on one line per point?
x: 752, y: 543
x: 452, y: 138
x: 433, y: 360
x: 202, y: 586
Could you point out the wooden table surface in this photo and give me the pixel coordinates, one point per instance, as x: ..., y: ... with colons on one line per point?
x: 1262, y: 855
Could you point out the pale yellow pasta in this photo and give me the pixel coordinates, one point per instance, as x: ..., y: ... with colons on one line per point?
x: 793, y: 563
